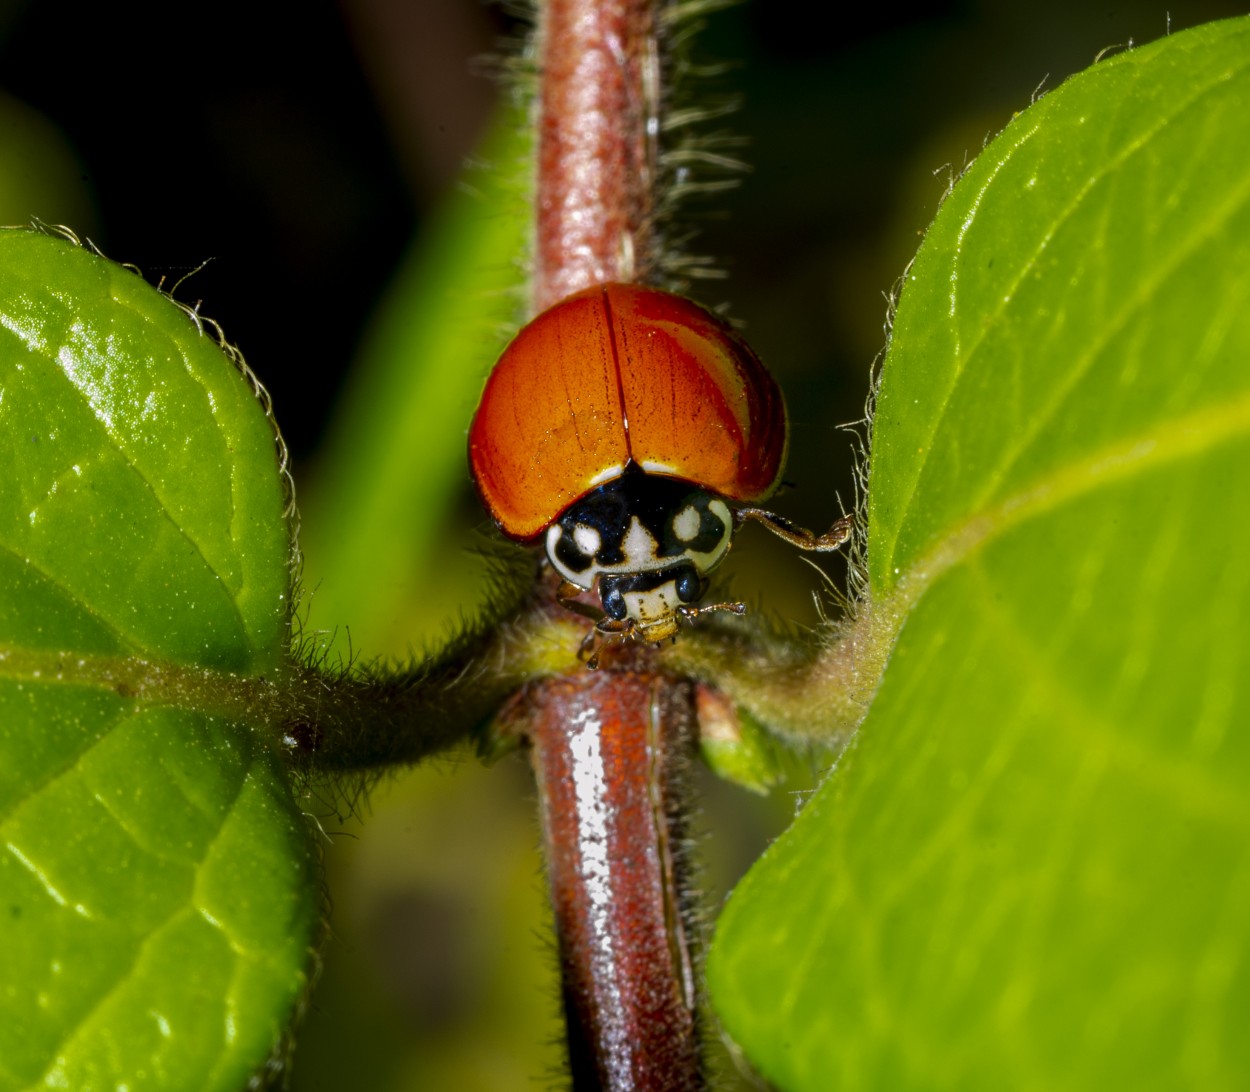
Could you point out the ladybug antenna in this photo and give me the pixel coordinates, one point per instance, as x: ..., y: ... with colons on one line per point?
x: 689, y: 614
x: 608, y: 631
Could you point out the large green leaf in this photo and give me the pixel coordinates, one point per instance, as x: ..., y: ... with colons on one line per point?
x: 1033, y: 867
x: 156, y: 882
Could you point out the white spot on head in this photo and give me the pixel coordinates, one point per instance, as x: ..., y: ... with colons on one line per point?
x: 706, y: 562
x: 582, y: 580
x: 687, y: 522
x: 638, y: 547
x: 554, y: 533
x: 586, y: 539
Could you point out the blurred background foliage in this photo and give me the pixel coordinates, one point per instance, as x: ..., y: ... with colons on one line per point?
x: 315, y: 156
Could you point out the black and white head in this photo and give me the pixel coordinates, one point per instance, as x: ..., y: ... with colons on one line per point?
x: 649, y: 542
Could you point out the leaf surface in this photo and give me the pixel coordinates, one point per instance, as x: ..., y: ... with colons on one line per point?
x: 1032, y: 870
x: 156, y: 880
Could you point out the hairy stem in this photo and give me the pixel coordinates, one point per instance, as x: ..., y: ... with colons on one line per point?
x: 599, y: 67
x: 608, y: 751
x: 607, y: 745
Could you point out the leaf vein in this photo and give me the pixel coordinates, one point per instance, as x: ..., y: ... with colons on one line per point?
x: 119, y: 445
x: 1184, y: 437
x: 1148, y: 288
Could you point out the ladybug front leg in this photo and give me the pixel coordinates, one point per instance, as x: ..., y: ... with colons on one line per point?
x: 606, y: 631
x: 573, y: 598
x: 804, y: 539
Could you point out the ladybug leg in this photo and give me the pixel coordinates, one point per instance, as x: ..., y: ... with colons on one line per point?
x: 570, y: 596
x: 588, y: 651
x: 839, y: 533
x: 607, y: 631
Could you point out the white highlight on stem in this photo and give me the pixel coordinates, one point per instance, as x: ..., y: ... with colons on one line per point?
x: 590, y: 789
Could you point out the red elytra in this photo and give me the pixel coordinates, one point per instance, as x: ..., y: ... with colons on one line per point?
x: 618, y: 376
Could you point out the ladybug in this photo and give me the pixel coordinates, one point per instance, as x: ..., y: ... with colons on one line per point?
x: 631, y: 430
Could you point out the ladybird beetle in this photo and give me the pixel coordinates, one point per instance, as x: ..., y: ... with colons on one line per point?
x: 620, y: 425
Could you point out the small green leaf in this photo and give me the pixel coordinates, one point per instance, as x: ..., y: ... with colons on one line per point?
x: 1033, y: 867
x: 156, y: 880
x: 739, y: 749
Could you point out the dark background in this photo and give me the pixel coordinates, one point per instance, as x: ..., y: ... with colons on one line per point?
x: 302, y: 149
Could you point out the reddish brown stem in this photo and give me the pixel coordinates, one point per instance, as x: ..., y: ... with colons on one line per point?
x: 597, y: 130
x: 608, y: 745
x: 608, y: 751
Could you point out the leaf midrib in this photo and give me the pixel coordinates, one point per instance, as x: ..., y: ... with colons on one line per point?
x: 1184, y: 437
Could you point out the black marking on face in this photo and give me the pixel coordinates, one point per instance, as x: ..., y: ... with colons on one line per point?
x: 612, y: 598
x: 689, y: 585
x: 675, y: 514
x: 614, y: 586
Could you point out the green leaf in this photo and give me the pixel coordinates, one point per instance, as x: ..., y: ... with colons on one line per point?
x: 156, y: 880
x: 1033, y: 867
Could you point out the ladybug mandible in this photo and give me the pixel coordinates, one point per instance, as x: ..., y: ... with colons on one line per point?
x: 621, y: 424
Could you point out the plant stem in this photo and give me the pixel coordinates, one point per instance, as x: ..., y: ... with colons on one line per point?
x: 607, y: 746
x: 599, y: 67
x: 608, y: 751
